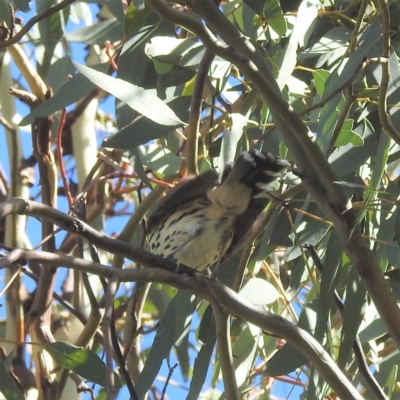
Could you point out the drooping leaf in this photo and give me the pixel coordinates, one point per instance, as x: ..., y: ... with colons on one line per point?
x: 136, y: 97
x: 230, y: 140
x: 70, y: 92
x: 143, y: 129
x: 353, y: 315
x: 134, y: 19
x: 8, y: 387
x: 259, y: 292
x: 274, y: 16
x: 320, y: 77
x: 82, y: 361
x: 175, y: 323
x: 109, y: 29
x: 207, y: 337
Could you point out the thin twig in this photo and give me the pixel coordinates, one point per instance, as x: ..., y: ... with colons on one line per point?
x: 222, y: 321
x: 192, y: 131
x: 34, y: 20
x: 318, y: 176
x: 219, y: 296
x: 170, y: 372
x: 121, y: 361
x: 61, y: 160
x: 108, y: 348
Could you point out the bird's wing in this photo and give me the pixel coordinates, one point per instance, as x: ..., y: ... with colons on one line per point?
x: 189, y: 188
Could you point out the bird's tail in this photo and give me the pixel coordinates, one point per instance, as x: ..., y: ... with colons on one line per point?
x: 255, y: 169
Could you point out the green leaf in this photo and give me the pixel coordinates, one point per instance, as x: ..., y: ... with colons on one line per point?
x: 109, y: 29
x: 334, y: 40
x: 347, y: 159
x: 259, y: 292
x: 274, y: 16
x: 208, y: 337
x: 141, y: 100
x: 8, y: 387
x: 84, y: 362
x: 174, y: 324
x: 70, y: 92
x: 380, y: 159
x: 23, y: 5
x: 306, y: 17
x: 230, y: 139
x: 284, y: 361
x: 142, y: 129
x: 245, y: 352
x: 348, y: 136
x: 354, y: 309
x: 334, y: 250
x: 174, y: 51
x: 133, y: 64
x: 391, y: 382
x: 159, y: 159
x: 134, y: 18
x: 320, y: 78
x: 51, y: 30
x: 256, y: 5
x: 288, y: 358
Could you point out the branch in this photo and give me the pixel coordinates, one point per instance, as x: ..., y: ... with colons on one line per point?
x: 108, y: 316
x: 192, y: 130
x: 81, y: 229
x: 222, y: 322
x: 219, y: 296
x: 34, y: 20
x: 319, y: 178
x: 383, y: 87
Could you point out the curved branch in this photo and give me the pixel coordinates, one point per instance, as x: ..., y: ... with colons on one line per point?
x: 219, y: 296
x: 33, y: 21
x: 222, y: 322
x: 78, y: 227
x: 319, y: 178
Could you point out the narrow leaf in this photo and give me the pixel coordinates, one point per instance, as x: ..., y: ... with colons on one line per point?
x: 84, y: 362
x: 139, y: 99
x: 173, y: 326
x: 259, y: 292
x: 8, y: 387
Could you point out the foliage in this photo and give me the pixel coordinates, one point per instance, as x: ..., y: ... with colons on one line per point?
x: 175, y: 88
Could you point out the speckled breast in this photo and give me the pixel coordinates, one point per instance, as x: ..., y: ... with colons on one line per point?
x: 197, y: 234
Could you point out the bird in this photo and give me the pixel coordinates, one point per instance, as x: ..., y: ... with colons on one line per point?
x: 204, y: 219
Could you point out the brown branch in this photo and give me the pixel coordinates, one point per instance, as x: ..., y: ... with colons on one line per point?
x: 383, y: 87
x: 81, y: 229
x: 219, y: 296
x: 34, y: 20
x: 222, y: 322
x: 318, y: 176
x: 28, y: 98
x: 39, y: 317
x: 108, y: 348
x: 59, y: 150
x: 192, y: 130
